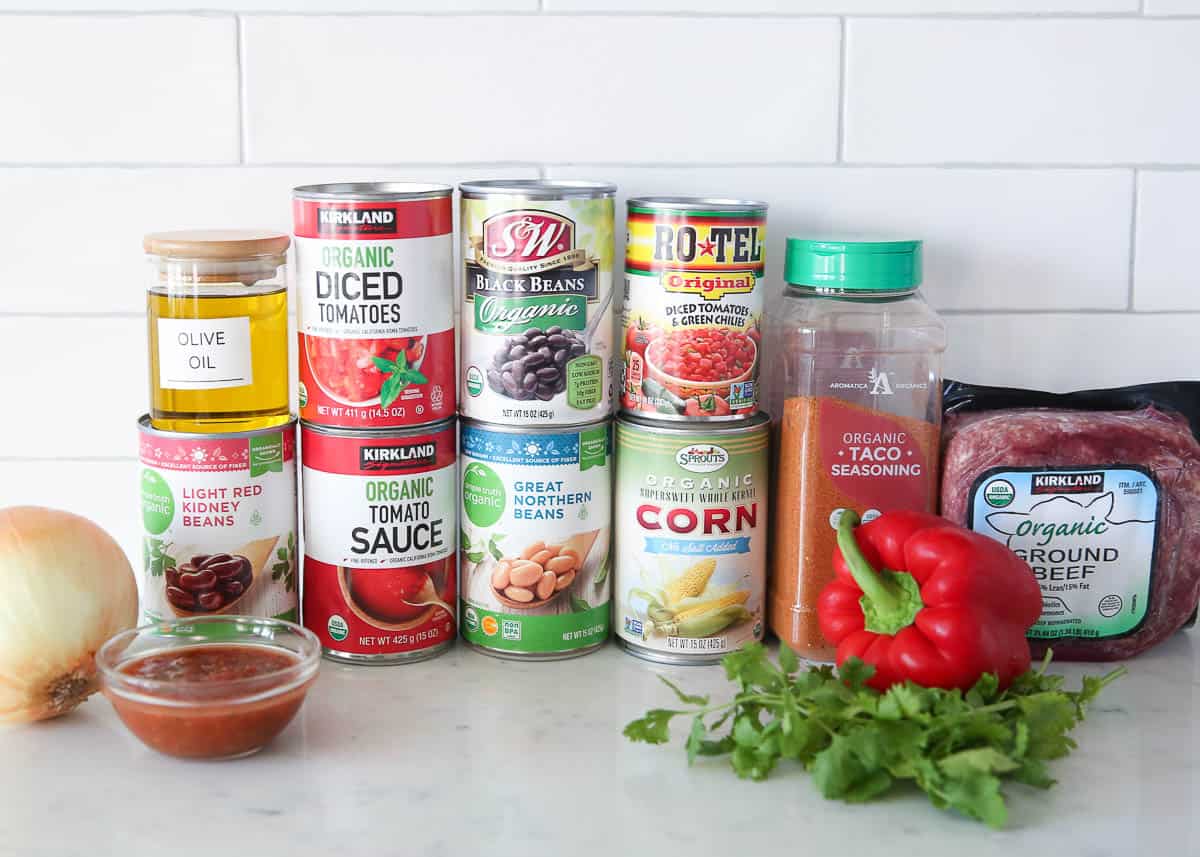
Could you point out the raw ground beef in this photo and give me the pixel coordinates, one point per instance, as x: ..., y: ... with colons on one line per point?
x: 1162, y: 442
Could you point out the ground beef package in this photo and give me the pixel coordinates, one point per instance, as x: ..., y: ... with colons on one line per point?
x: 1099, y: 491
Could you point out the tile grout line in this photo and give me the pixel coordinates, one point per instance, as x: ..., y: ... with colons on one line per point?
x: 1133, y: 226
x: 949, y: 166
x: 1057, y: 15
x: 241, y: 79
x: 843, y: 67
x: 1124, y: 312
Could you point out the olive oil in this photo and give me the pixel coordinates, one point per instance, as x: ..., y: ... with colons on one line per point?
x: 217, y: 328
x: 261, y: 403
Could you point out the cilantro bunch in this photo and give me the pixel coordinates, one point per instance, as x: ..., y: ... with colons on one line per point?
x: 858, y: 743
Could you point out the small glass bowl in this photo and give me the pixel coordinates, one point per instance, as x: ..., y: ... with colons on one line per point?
x: 216, y: 717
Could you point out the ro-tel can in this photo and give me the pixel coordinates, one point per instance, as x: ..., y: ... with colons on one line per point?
x: 692, y: 314
x: 375, y: 279
x: 536, y: 537
x: 380, y: 515
x: 691, y: 523
x: 537, y: 291
x: 219, y: 519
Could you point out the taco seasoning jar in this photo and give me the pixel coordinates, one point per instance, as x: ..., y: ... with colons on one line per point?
x: 855, y: 398
x: 217, y: 317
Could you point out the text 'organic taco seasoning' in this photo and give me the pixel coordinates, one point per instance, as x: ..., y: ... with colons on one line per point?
x: 856, y: 403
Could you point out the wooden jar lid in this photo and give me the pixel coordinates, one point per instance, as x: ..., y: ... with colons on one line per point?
x: 217, y: 245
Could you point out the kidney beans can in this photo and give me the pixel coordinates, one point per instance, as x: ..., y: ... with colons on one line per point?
x: 691, y: 521
x: 536, y: 336
x: 692, y: 314
x: 380, y: 520
x: 374, y: 274
x: 219, y: 523
x: 536, y: 539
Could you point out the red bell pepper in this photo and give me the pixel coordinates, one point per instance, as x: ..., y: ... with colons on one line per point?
x: 948, y: 605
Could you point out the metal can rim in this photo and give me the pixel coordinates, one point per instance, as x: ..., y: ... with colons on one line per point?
x: 688, y: 203
x: 533, y: 428
x: 380, y: 433
x: 145, y: 427
x: 377, y: 191
x: 537, y: 189
x: 753, y: 422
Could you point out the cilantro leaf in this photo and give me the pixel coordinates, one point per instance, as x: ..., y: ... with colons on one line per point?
x: 654, y: 728
x: 685, y: 698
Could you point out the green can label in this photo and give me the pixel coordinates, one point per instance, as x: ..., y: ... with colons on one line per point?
x: 691, y: 523
x: 535, y: 541
x: 537, y: 338
x: 1088, y: 534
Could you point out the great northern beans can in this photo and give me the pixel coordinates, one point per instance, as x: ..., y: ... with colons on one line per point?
x: 375, y: 279
x: 537, y: 314
x: 536, y: 533
x: 693, y: 304
x: 380, y: 519
x: 219, y: 518
x: 691, y: 549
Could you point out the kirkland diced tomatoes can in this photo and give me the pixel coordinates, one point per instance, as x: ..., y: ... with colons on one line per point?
x: 375, y: 279
x: 693, y: 305
x: 380, y: 526
x: 537, y: 302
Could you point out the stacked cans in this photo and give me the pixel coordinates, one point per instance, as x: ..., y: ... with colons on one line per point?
x: 691, y: 445
x: 217, y: 449
x: 375, y: 282
x: 538, y: 360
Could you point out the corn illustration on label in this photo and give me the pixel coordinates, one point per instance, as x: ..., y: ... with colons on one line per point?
x: 690, y: 520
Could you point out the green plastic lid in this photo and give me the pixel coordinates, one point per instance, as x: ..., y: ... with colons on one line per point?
x: 853, y: 266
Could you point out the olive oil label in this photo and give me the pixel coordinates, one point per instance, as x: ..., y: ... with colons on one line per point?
x: 536, y: 529
x: 691, y: 522
x: 1088, y: 535
x: 204, y: 353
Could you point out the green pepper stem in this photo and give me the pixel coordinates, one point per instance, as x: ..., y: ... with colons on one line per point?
x: 883, y: 593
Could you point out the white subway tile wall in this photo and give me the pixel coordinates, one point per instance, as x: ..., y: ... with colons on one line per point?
x: 1048, y: 151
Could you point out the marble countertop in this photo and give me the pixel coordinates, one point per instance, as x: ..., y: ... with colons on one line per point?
x: 467, y: 755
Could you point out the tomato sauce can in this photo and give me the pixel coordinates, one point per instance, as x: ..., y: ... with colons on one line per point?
x: 536, y: 336
x: 380, y: 521
x: 691, y: 551
x: 374, y: 274
x: 536, y: 539
x: 219, y: 523
x: 691, y: 320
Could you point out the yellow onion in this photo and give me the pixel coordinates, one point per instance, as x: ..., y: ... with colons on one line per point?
x: 65, y: 588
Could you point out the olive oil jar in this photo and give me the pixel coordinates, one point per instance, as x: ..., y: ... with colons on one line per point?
x: 217, y: 317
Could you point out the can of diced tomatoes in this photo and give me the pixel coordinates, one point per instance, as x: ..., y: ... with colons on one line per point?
x: 692, y: 313
x: 380, y: 526
x: 537, y: 301
x: 374, y: 274
x: 219, y: 519
x: 690, y: 515
x: 536, y: 538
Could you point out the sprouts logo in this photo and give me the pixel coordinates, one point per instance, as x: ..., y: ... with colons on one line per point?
x: 702, y: 458
x: 403, y: 457
x: 356, y: 221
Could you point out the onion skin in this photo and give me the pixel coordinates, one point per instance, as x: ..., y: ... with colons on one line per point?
x: 65, y: 587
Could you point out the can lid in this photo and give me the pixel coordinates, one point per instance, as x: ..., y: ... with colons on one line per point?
x: 538, y: 188
x: 216, y: 244
x: 389, y: 191
x: 695, y: 205
x: 853, y: 266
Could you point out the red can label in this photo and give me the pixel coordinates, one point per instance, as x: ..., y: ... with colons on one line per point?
x: 375, y: 281
x: 381, y: 524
